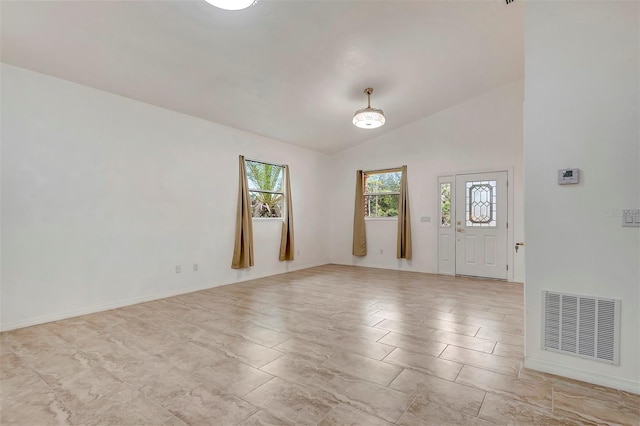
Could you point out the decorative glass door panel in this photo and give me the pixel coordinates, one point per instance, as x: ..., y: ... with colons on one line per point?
x: 481, y: 203
x: 481, y: 225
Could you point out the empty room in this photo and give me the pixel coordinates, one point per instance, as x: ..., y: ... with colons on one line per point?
x: 320, y: 212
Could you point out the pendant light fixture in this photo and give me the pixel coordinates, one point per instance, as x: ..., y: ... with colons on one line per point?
x: 232, y: 4
x: 368, y: 118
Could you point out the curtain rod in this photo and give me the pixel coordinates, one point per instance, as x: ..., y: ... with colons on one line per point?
x: 263, y: 162
x: 385, y: 170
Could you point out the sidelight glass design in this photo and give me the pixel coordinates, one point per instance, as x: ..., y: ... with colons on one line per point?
x: 445, y: 205
x: 481, y: 203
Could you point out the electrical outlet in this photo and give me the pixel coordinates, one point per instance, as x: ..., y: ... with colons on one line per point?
x: 195, y: 267
x: 178, y: 269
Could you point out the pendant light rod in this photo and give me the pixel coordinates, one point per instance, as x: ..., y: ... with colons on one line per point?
x: 368, y: 91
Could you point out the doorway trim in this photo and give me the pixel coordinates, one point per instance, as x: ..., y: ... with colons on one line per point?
x: 510, y: 214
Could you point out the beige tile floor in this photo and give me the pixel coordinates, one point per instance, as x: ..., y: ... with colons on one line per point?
x: 331, y: 345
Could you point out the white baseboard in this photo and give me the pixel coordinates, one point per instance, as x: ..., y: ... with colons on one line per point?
x: 388, y: 268
x: 582, y: 375
x: 409, y: 269
x: 135, y: 300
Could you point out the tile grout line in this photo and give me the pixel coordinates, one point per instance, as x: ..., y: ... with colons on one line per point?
x: 481, y: 405
x: 408, y: 406
x: 383, y: 336
x: 458, y: 374
x: 388, y: 385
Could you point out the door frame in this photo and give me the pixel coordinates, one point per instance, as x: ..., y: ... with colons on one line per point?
x: 510, y: 214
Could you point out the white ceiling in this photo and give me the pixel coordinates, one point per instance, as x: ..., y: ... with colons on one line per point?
x: 289, y: 70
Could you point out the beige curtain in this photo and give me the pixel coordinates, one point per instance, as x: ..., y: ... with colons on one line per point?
x: 404, y: 219
x: 359, y: 236
x: 243, y: 249
x: 286, y: 240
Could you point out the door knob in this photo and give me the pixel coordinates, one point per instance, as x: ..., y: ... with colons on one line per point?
x: 518, y: 245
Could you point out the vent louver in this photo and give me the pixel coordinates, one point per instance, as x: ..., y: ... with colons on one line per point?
x: 584, y: 326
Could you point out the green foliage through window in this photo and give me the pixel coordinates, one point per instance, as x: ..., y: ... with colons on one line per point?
x: 445, y: 204
x: 381, y: 194
x: 265, y: 188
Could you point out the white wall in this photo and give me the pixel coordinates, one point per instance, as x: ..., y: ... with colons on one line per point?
x: 102, y: 196
x: 481, y: 134
x: 582, y: 110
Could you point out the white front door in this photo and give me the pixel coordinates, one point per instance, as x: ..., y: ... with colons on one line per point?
x: 481, y: 224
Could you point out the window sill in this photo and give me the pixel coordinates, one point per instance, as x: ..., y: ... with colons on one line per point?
x: 382, y: 219
x: 267, y: 219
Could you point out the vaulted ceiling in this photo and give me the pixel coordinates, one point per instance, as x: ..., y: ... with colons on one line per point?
x: 289, y: 70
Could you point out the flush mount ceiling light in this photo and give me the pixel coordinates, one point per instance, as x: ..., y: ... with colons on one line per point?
x: 368, y: 118
x: 232, y: 4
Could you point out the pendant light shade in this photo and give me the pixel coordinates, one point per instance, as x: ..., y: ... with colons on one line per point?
x: 232, y: 4
x: 368, y: 118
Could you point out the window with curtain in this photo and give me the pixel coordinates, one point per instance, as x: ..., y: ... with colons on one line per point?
x: 264, y: 191
x: 266, y: 188
x: 381, y: 193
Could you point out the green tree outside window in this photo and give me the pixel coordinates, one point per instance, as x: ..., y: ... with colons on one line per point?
x: 265, y: 188
x: 381, y: 193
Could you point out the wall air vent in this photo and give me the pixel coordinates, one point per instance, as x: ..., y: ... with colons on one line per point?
x: 588, y: 327
x: 510, y: 1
